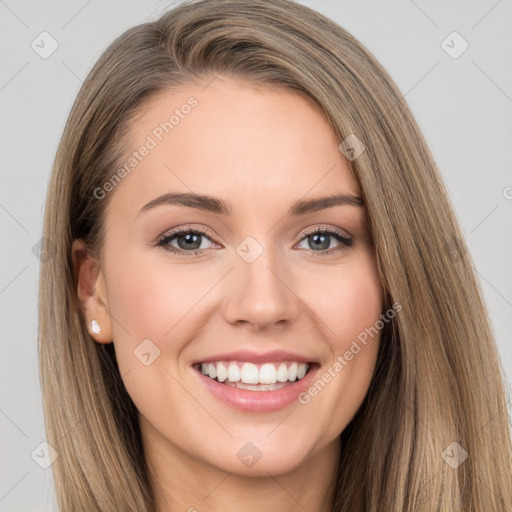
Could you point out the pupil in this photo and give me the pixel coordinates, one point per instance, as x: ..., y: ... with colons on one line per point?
x: 189, y: 238
x: 316, y: 238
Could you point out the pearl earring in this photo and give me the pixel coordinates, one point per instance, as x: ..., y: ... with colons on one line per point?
x: 95, y: 328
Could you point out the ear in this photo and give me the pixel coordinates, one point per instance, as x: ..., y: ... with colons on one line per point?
x: 92, y: 293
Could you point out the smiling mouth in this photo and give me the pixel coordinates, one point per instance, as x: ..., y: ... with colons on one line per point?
x: 255, y: 377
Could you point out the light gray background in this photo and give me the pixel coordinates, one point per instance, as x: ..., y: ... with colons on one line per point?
x: 463, y: 105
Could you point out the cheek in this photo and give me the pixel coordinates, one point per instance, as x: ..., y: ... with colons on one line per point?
x: 148, y: 298
x: 349, y: 301
x: 350, y: 305
x: 150, y: 308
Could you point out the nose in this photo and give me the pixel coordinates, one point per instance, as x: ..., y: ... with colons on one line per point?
x: 261, y: 294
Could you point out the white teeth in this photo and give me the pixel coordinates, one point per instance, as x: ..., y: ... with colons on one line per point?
x: 233, y: 373
x: 222, y: 372
x: 282, y: 373
x: 292, y: 372
x: 267, y: 375
x: 257, y: 387
x: 249, y: 373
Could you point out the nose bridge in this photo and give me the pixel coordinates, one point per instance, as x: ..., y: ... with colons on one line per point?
x: 257, y: 263
x: 259, y: 291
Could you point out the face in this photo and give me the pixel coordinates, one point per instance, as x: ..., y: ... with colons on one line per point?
x: 261, y: 290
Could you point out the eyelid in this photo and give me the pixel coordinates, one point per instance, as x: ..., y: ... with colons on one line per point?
x: 203, y: 230
x: 319, y: 227
x: 186, y: 228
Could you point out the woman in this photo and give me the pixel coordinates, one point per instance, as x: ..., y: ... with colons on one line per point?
x: 322, y: 344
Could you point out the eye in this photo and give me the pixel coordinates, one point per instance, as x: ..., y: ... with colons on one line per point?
x: 320, y: 240
x: 188, y: 241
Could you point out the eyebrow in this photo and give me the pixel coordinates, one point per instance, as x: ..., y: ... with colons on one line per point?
x: 218, y: 206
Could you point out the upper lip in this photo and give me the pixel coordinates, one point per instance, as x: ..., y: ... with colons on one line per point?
x: 255, y: 357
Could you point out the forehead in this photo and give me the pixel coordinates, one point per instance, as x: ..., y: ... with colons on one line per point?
x: 234, y: 140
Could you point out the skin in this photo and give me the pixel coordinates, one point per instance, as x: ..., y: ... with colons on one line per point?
x: 260, y: 149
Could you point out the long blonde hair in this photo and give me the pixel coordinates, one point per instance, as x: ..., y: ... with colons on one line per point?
x: 438, y: 379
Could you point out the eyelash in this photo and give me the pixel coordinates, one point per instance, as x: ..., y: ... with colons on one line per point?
x: 164, y: 240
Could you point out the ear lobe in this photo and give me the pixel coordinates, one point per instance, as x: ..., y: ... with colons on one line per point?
x: 92, y: 293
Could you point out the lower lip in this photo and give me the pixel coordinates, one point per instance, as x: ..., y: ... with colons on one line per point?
x: 258, y: 401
